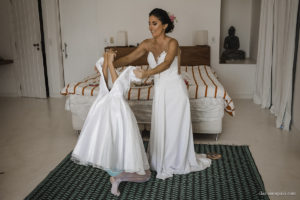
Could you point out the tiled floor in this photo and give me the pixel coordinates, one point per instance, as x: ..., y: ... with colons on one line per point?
x: 36, y: 134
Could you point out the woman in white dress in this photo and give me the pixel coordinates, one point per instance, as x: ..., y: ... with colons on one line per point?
x: 110, y: 138
x: 171, y: 147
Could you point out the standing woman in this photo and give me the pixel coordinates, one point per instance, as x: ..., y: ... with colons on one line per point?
x: 171, y: 147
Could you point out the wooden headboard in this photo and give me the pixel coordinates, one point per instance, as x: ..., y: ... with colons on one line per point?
x: 190, y: 55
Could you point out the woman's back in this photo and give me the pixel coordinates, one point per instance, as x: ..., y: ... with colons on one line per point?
x: 110, y: 138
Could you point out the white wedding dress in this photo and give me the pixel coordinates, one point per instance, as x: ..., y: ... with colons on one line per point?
x: 171, y: 147
x: 110, y: 138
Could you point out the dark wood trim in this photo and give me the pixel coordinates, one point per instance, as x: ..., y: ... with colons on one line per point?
x: 190, y: 55
x: 6, y: 62
x: 195, y: 55
x: 43, y: 46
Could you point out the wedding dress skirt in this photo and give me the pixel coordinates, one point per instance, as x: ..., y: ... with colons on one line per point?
x: 171, y: 147
x: 110, y: 138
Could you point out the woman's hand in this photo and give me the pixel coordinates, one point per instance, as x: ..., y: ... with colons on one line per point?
x: 105, y: 62
x: 140, y: 73
x: 110, y: 56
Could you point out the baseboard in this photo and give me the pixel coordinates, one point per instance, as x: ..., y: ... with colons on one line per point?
x: 293, y: 127
x: 241, y: 96
x: 56, y: 95
x: 9, y: 95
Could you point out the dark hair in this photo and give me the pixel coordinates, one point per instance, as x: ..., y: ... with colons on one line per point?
x: 163, y: 16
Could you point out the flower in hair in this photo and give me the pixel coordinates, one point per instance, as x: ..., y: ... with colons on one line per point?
x: 172, y: 17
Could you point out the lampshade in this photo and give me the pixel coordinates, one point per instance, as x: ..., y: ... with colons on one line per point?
x: 201, y: 37
x: 122, y: 38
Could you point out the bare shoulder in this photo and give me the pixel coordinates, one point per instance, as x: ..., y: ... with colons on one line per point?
x: 146, y: 44
x: 173, y: 43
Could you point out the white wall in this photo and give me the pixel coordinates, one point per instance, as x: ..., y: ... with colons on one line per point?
x: 115, y: 15
x: 296, y: 106
x: 255, y: 17
x: 192, y: 15
x: 237, y: 13
x: 8, y: 79
x: 238, y: 79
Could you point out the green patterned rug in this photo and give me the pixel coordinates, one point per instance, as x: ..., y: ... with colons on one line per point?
x: 234, y: 176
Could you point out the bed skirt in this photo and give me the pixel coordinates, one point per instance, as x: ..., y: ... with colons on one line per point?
x: 207, y: 113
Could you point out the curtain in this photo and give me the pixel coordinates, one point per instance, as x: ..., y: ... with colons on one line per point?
x: 262, y: 92
x: 296, y: 78
x: 275, y: 59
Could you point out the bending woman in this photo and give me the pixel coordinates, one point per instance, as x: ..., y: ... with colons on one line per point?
x: 110, y: 138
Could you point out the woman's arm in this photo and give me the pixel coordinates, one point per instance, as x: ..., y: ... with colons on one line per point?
x: 104, y: 68
x: 136, y: 54
x: 110, y: 59
x: 179, y: 61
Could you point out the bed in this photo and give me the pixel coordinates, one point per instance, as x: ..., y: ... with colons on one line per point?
x: 208, y: 98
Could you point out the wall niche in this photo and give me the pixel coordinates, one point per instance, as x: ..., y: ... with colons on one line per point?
x: 244, y: 16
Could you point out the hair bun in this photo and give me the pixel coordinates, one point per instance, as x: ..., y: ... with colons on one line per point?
x: 164, y: 17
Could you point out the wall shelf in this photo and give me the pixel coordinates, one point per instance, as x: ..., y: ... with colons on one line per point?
x: 244, y: 15
x: 246, y: 61
x: 6, y: 62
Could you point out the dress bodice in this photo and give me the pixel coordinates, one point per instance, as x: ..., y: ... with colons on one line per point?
x: 172, y: 71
